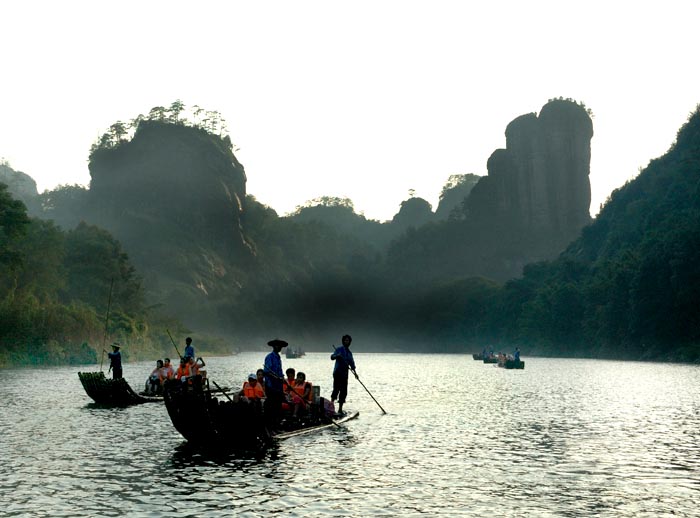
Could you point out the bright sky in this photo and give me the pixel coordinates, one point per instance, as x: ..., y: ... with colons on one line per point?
x: 364, y: 99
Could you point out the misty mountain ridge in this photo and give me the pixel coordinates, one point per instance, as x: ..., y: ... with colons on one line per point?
x: 174, y: 195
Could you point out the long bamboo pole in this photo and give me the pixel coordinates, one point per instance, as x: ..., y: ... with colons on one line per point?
x: 104, y: 336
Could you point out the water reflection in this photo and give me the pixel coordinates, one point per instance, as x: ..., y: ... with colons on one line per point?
x: 185, y: 455
x: 561, y: 438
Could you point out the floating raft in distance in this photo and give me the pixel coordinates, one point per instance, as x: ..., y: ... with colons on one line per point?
x: 294, y: 352
x: 111, y: 392
x: 513, y: 364
x: 478, y: 356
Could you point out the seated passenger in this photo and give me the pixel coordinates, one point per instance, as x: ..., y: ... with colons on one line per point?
x: 501, y: 359
x: 183, y: 371
x: 252, y: 390
x: 155, y: 379
x: 290, y: 380
x: 167, y: 372
x: 260, y: 374
x: 196, y: 367
x: 200, y: 367
x: 302, y: 394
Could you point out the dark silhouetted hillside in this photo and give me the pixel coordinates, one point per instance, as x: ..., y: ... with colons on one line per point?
x: 630, y: 285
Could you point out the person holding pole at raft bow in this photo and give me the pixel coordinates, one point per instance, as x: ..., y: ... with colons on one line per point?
x: 343, y: 361
x: 274, y: 395
x: 115, y: 361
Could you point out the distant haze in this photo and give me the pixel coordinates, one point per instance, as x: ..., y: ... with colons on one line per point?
x: 364, y: 99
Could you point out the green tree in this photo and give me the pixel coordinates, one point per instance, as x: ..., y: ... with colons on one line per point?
x: 176, y: 109
x: 118, y: 131
x: 157, y: 113
x: 13, y: 225
x: 93, y: 259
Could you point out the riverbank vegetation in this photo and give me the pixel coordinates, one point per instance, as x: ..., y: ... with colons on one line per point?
x: 55, y: 290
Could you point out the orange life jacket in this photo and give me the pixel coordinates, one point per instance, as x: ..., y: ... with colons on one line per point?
x: 287, y: 386
x: 299, y: 390
x: 253, y: 392
x: 183, y: 371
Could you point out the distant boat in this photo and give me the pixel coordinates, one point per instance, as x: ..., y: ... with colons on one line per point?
x: 112, y: 392
x: 478, y: 356
x: 514, y: 364
x: 491, y: 359
x: 293, y: 352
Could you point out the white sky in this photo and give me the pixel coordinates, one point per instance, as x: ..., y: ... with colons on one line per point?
x: 364, y: 99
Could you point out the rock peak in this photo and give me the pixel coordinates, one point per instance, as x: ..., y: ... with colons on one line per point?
x: 539, y: 182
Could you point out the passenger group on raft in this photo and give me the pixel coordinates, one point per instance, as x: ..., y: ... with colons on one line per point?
x: 501, y: 357
x: 268, y: 386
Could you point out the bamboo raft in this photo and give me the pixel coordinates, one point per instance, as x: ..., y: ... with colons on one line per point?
x: 112, y: 392
x: 226, y: 425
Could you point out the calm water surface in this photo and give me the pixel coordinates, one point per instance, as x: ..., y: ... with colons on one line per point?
x: 561, y: 438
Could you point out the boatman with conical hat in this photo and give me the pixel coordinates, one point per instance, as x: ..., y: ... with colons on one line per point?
x: 274, y: 377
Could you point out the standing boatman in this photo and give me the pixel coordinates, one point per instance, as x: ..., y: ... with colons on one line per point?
x: 115, y: 361
x: 189, y: 350
x: 274, y: 377
x: 343, y: 362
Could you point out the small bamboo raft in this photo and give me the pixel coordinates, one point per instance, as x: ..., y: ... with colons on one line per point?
x: 112, y: 392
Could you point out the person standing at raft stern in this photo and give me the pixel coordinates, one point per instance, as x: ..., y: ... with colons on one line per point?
x: 274, y: 377
x: 189, y: 350
x: 115, y: 361
x: 343, y: 362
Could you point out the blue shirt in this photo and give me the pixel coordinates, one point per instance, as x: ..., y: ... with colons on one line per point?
x: 343, y: 359
x: 115, y: 360
x: 273, y: 364
x: 189, y: 351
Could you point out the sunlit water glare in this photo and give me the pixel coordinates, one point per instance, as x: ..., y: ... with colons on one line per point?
x: 560, y: 438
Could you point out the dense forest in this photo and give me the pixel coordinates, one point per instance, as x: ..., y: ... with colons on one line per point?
x: 167, y: 219
x: 64, y: 293
x: 49, y: 309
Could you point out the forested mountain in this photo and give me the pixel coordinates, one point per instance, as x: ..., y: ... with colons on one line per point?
x: 630, y: 285
x: 171, y: 190
x: 174, y: 196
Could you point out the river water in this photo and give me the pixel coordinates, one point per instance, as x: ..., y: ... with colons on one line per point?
x: 461, y: 438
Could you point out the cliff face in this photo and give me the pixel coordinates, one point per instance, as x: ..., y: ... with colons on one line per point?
x: 539, y: 183
x: 533, y: 203
x: 20, y: 185
x: 173, y: 197
x: 170, y: 176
